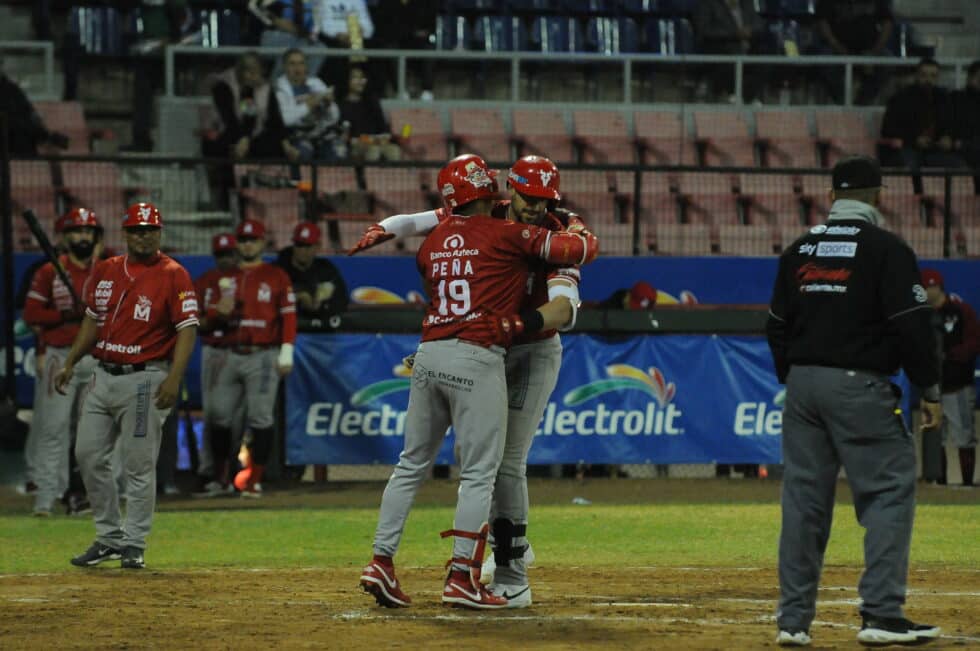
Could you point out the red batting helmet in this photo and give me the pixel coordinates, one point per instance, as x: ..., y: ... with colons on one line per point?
x: 142, y: 214
x: 465, y: 179
x: 222, y: 243
x: 251, y: 228
x: 535, y: 176
x: 78, y: 218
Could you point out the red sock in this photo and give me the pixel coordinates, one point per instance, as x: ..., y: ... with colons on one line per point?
x: 387, y: 561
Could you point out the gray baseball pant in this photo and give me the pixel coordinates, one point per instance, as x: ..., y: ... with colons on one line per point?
x: 463, y: 385
x: 833, y: 417
x: 52, y: 426
x: 251, y: 379
x: 532, y: 373
x: 121, y: 410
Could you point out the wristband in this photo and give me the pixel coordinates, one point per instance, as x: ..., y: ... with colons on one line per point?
x: 533, y: 321
x: 286, y: 355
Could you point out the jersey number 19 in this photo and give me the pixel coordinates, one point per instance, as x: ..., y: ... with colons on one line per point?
x: 459, y: 298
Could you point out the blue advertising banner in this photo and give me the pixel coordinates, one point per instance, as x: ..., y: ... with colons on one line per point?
x: 671, y: 399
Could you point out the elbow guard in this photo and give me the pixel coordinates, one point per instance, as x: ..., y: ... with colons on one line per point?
x: 571, y: 248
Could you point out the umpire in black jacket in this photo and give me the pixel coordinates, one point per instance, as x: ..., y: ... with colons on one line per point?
x: 847, y: 312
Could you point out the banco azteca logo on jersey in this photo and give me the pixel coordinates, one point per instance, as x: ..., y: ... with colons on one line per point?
x: 454, y: 241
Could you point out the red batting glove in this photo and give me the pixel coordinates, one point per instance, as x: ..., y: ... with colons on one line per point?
x: 591, y: 246
x: 373, y: 236
x: 502, y: 328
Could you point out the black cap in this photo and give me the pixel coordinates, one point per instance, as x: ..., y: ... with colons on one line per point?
x: 857, y: 172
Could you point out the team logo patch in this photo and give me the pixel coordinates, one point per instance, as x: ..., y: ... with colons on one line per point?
x: 265, y: 293
x: 141, y: 312
x: 546, y: 178
x: 189, y: 305
x: 818, y: 229
x: 477, y: 176
x: 145, y: 213
x: 526, y: 234
x: 919, y: 293
x: 807, y: 249
x: 454, y: 241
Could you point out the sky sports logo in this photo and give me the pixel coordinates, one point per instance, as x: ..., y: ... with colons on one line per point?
x: 836, y: 249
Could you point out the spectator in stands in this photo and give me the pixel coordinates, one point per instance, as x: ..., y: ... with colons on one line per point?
x: 919, y: 116
x: 251, y: 119
x: 370, y: 135
x: 25, y: 128
x: 732, y: 27
x: 287, y: 23
x: 404, y: 25
x: 343, y: 24
x: 966, y: 120
x: 309, y: 111
x: 854, y: 28
x: 319, y: 287
x: 161, y: 22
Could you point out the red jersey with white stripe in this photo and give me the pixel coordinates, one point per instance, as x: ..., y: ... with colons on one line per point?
x: 265, y: 307
x: 49, y: 301
x: 210, y: 288
x: 139, y: 307
x: 472, y: 267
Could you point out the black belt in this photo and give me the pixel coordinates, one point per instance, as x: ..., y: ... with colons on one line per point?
x: 122, y: 369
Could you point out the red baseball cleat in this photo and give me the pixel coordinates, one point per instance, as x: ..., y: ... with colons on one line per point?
x: 462, y: 592
x: 379, y: 580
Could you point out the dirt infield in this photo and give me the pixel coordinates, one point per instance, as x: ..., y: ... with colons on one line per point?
x: 628, y: 608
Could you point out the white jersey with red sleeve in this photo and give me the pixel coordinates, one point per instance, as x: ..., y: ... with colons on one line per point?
x: 139, y: 307
x: 49, y: 301
x: 266, y: 306
x: 476, y: 266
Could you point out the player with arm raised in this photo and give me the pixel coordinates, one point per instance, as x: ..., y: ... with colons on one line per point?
x: 476, y: 267
x: 532, y: 363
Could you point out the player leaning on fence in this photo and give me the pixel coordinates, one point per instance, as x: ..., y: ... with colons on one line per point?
x: 847, y: 312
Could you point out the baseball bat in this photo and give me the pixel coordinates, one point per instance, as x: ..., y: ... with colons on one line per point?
x: 51, y: 254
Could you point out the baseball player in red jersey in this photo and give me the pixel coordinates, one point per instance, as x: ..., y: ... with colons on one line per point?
x: 532, y: 363
x: 475, y: 267
x: 51, y: 308
x: 260, y: 319
x: 140, y: 323
x: 213, y: 286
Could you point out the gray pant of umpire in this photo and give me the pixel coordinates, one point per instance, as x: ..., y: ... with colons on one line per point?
x: 833, y: 417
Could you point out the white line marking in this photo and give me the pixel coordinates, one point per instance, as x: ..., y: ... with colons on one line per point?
x: 642, y: 604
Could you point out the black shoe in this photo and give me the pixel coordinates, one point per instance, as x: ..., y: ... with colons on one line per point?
x: 78, y: 505
x: 96, y: 554
x: 882, y: 631
x: 132, y: 559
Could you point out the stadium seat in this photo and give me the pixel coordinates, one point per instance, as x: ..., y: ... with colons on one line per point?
x: 220, y: 27
x: 499, y: 33
x: 609, y: 35
x: 682, y: 239
x: 816, y: 202
x: 661, y: 138
x: 555, y: 34
x: 99, y: 30
x: 708, y: 198
x: 31, y: 189
x: 658, y: 196
x: 543, y: 132
x: 900, y: 205
x: 603, y: 137
x: 970, y: 237
x: 96, y: 186
x: 723, y: 139
x: 69, y: 119
x: 425, y: 139
x: 789, y: 234
x: 771, y: 199
x: 398, y: 190
x: 785, y: 139
x: 481, y: 131
x: 841, y: 133
x: 278, y: 208
x: 593, y: 194
x: 745, y: 240
x: 668, y: 36
x: 616, y: 239
x: 925, y: 241
x: 453, y: 32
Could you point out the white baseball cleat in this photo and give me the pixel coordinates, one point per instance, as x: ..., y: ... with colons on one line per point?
x: 793, y: 638
x: 489, y: 567
x: 517, y: 596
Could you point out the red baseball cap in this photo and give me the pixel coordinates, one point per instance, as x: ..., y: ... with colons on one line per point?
x: 251, y: 228
x: 223, y: 242
x: 643, y: 296
x: 932, y: 278
x: 306, y: 233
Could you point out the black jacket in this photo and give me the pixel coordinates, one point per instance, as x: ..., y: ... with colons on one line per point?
x: 25, y: 129
x: 966, y: 117
x: 847, y: 295
x: 307, y: 280
x: 914, y: 111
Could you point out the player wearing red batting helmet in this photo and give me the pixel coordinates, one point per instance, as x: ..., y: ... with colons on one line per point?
x: 465, y: 179
x: 140, y: 324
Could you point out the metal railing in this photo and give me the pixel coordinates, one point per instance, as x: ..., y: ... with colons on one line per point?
x: 517, y: 61
x: 46, y: 50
